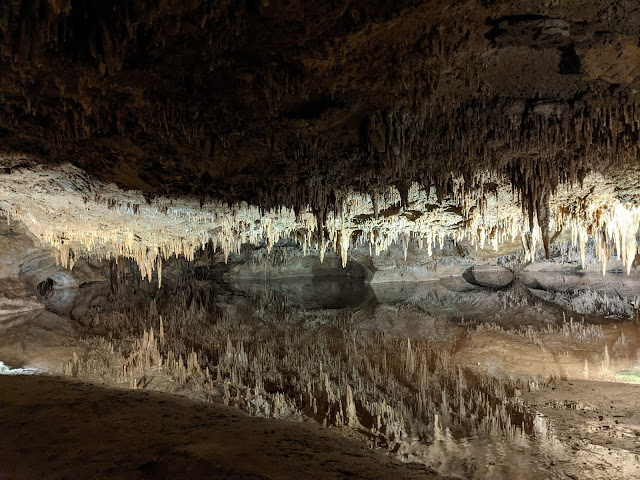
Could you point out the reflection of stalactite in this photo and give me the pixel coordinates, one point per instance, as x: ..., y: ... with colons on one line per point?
x: 542, y: 211
x: 409, y: 393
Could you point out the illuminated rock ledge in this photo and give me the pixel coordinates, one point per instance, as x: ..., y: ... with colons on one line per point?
x: 82, y: 217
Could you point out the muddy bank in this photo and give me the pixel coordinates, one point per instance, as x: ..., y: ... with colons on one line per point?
x: 598, y: 423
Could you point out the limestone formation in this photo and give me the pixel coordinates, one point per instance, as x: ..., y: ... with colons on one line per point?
x: 82, y: 217
x: 202, y: 99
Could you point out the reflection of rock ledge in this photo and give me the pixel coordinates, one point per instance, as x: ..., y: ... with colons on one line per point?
x: 313, y: 292
x: 489, y: 276
x: 9, y: 306
x: 297, y: 266
x: 389, y: 266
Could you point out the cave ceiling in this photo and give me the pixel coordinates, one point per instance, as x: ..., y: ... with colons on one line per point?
x: 293, y: 102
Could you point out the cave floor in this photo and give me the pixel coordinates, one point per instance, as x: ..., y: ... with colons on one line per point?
x: 597, y: 422
x: 53, y: 428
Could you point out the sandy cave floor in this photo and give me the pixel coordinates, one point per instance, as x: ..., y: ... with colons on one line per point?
x: 598, y: 421
x: 53, y: 428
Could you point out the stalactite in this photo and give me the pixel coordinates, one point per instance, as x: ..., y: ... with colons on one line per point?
x: 99, y: 221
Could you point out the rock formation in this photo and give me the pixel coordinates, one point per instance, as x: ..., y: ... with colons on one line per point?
x: 326, y: 123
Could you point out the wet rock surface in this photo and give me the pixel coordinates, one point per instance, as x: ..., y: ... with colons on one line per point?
x: 490, y: 276
x: 198, y: 441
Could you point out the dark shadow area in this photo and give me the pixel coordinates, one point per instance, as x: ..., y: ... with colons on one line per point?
x: 45, y: 287
x: 313, y: 292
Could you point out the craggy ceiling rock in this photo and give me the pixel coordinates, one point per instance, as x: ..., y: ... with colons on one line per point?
x: 295, y: 102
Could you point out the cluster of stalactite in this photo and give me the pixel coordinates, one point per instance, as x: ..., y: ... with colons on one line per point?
x: 417, y: 124
x: 82, y: 218
x: 42, y: 39
x: 444, y: 145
